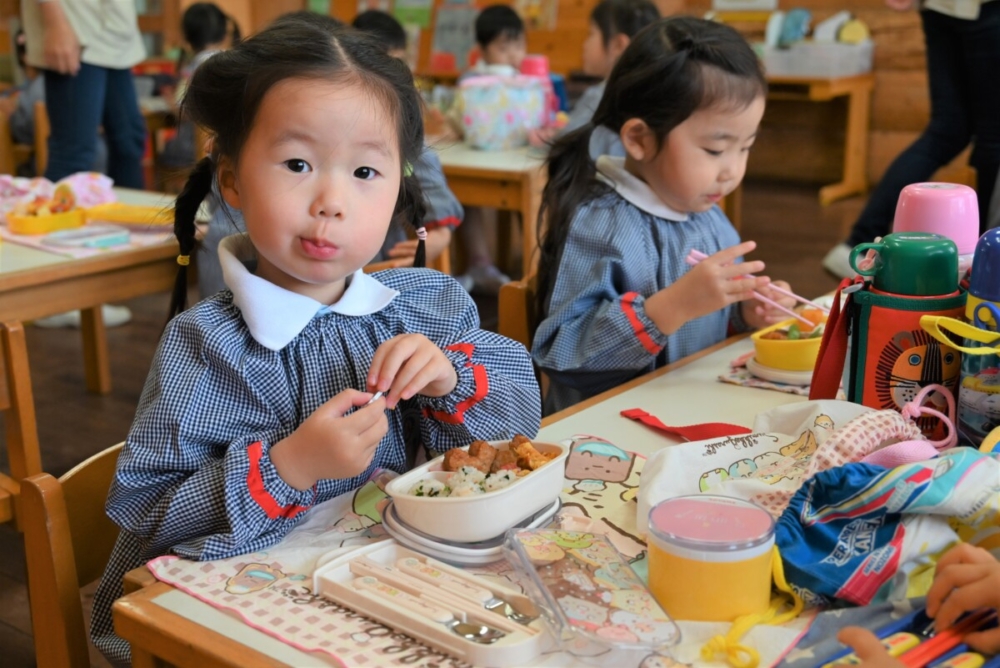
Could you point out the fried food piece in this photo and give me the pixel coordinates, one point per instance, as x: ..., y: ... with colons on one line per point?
x: 527, y: 456
x: 505, y: 459
x: 484, y: 452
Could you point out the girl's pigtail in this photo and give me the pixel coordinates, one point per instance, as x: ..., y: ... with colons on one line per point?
x: 198, y: 185
x: 571, y: 182
x: 411, y: 208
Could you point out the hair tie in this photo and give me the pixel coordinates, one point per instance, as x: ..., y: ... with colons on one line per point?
x: 183, y: 260
x: 422, y: 233
x: 408, y: 169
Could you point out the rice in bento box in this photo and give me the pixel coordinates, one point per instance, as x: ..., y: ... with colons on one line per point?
x: 430, y: 487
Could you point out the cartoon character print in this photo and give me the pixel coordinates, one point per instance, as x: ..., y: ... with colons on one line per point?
x: 660, y: 661
x: 741, y: 468
x: 254, y: 577
x: 801, y: 448
x: 647, y: 630
x: 572, y: 540
x: 617, y: 633
x: 910, y: 361
x: 540, y: 549
x: 614, y: 575
x: 593, y: 463
x: 710, y: 479
x: 638, y: 601
x: 596, y: 554
x: 583, y: 613
x: 365, y: 517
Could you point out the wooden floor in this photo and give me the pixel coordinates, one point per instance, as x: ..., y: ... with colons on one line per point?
x: 792, y: 231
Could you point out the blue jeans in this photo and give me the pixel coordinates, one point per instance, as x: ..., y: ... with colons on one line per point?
x: 78, y: 106
x: 963, y: 58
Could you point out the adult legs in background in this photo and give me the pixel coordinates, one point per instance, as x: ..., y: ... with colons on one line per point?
x: 124, y: 130
x: 946, y: 135
x: 982, y: 49
x: 75, y: 105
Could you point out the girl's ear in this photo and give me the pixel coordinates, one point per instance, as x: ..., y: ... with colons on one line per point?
x: 617, y: 46
x: 638, y: 140
x: 228, y: 183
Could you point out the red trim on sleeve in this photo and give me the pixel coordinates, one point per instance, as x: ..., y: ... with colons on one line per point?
x: 451, y: 222
x: 482, y: 382
x: 255, y: 483
x: 628, y: 301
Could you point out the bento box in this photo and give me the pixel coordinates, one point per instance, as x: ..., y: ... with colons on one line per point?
x: 482, y: 515
x: 797, y: 350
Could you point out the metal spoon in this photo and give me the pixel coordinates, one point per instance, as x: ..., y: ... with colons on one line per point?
x: 477, y: 633
x: 465, y: 586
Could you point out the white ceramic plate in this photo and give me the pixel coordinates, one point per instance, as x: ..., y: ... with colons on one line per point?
x: 800, y: 378
x: 467, y: 554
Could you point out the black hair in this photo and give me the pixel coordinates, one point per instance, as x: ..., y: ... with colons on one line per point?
x: 322, y: 21
x: 384, y: 27
x: 226, y: 92
x: 496, y: 22
x: 670, y: 70
x: 623, y: 17
x: 204, y: 24
x: 20, y: 47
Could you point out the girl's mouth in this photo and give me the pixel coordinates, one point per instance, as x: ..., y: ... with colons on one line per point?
x: 319, y: 249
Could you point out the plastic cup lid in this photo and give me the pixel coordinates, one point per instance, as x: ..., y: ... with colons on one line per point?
x: 711, y: 523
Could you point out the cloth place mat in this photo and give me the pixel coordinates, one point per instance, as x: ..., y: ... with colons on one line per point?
x: 271, y: 591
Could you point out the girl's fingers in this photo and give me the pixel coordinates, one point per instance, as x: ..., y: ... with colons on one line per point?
x: 987, y: 642
x: 376, y: 431
x: 729, y: 255
x: 407, y: 372
x: 387, y: 360
x: 865, y: 644
x: 950, y: 578
x: 968, y: 593
x: 362, y: 419
x: 741, y: 268
x: 745, y: 286
x: 427, y: 375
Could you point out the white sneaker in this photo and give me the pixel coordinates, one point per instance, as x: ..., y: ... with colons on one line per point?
x: 114, y: 316
x: 837, y: 262
x: 487, y: 279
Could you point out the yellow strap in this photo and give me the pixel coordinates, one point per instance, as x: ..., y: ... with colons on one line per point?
x: 937, y: 325
x: 728, y: 646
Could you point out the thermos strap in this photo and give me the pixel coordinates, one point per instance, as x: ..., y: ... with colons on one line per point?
x: 938, y: 325
x: 832, y: 350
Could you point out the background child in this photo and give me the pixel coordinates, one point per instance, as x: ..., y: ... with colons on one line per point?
x: 207, y: 30
x: 257, y: 406
x: 965, y: 579
x: 443, y: 211
x: 616, y: 298
x: 502, y: 46
x: 613, y: 24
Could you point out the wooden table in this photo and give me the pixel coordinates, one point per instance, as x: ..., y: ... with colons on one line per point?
x: 35, y: 284
x: 857, y: 89
x: 505, y: 180
x: 163, y: 623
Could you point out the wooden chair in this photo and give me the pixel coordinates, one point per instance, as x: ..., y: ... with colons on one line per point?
x: 42, y: 131
x: 442, y: 263
x: 516, y: 306
x: 18, y: 404
x: 68, y: 540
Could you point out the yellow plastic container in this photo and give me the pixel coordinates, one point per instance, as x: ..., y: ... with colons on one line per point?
x: 710, y: 557
x: 787, y: 355
x: 45, y: 224
x: 130, y: 214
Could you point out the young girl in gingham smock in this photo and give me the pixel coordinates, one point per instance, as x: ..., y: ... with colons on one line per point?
x: 616, y: 298
x: 257, y: 404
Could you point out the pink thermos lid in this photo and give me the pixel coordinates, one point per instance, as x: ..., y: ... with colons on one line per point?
x: 948, y: 209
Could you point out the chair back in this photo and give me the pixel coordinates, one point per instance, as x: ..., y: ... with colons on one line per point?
x: 68, y: 540
x: 18, y: 404
x: 517, y: 314
x: 42, y: 132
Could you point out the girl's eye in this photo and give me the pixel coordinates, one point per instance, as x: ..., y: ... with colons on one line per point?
x: 365, y: 173
x: 712, y: 153
x: 298, y: 166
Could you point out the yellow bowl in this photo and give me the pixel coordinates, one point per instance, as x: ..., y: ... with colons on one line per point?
x: 131, y: 214
x: 787, y: 355
x: 45, y: 224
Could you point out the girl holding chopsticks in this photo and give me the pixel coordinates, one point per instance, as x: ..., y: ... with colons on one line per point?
x: 639, y: 266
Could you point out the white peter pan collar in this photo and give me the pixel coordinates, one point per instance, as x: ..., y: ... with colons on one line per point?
x: 275, y: 315
x: 612, y: 171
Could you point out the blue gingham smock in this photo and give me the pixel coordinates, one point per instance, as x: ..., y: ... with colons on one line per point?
x: 240, y: 371
x: 622, y: 247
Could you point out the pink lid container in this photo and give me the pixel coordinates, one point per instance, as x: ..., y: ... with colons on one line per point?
x: 948, y: 209
x: 711, y: 523
x: 535, y: 66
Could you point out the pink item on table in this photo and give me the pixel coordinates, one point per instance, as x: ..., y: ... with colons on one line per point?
x: 948, y: 209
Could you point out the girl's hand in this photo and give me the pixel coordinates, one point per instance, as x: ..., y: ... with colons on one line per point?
x: 410, y: 364
x: 437, y: 242
x: 330, y: 443
x: 868, y: 648
x: 758, y: 314
x: 966, y: 578
x: 712, y: 284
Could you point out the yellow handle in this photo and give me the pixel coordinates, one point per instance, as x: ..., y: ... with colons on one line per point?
x: 937, y: 325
